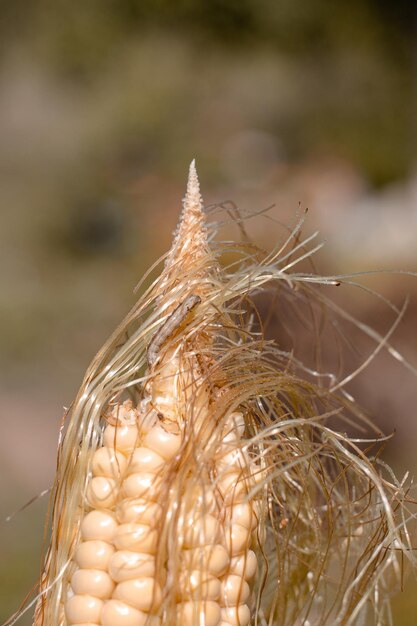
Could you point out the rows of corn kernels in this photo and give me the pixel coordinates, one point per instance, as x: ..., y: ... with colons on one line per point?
x: 116, y: 582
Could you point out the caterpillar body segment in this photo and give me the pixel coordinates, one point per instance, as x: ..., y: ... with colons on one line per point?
x: 198, y: 482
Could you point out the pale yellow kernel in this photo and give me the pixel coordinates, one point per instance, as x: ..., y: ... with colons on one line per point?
x: 164, y: 387
x: 238, y: 539
x: 148, y: 417
x: 198, y: 613
x: 234, y: 591
x: 245, y: 565
x: 236, y: 615
x: 102, y: 492
x: 211, y: 559
x: 162, y: 400
x: 140, y: 511
x: 117, y: 613
x: 108, y: 462
x: 145, y: 460
x: 233, y: 488
x: 203, y: 531
x: 241, y: 513
x: 93, y: 554
x: 142, y: 593
x: 83, y: 608
x: 98, y: 525
x: 123, y: 438
x: 203, y: 499
x: 164, y: 443
x: 198, y: 585
x: 142, y: 484
x: 125, y: 565
x: 92, y: 582
x: 136, y: 537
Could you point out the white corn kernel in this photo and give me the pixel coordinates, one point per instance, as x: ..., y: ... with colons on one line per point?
x: 142, y: 485
x: 144, y: 460
x: 198, y: 585
x: 92, y: 582
x: 117, y: 613
x: 125, y: 565
x: 164, y: 443
x: 244, y: 565
x: 234, y: 591
x: 136, y: 537
x: 83, y: 608
x: 203, y: 499
x: 108, y: 462
x: 203, y: 531
x: 141, y: 593
x: 147, y: 417
x: 238, y: 539
x: 198, y: 613
x: 241, y: 513
x: 213, y: 559
x: 102, y: 492
x: 236, y: 615
x: 122, y: 438
x: 138, y: 510
x: 233, y: 488
x: 98, y: 525
x: 93, y: 554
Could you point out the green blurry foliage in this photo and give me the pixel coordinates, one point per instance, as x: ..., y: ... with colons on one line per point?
x: 355, y: 58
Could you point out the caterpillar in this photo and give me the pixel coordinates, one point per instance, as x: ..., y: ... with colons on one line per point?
x: 172, y: 324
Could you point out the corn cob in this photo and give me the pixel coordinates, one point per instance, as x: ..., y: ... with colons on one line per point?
x: 197, y: 483
x: 123, y: 557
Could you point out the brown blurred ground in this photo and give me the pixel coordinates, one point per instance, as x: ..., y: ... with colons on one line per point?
x: 103, y: 105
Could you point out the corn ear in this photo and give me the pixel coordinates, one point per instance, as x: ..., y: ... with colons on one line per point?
x: 198, y: 481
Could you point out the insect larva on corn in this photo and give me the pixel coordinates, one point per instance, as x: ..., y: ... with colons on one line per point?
x: 223, y: 498
x: 171, y: 325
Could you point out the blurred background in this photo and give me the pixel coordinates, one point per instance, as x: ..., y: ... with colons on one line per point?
x: 102, y: 106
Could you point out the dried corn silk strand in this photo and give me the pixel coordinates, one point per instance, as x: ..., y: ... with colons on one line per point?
x: 198, y: 481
